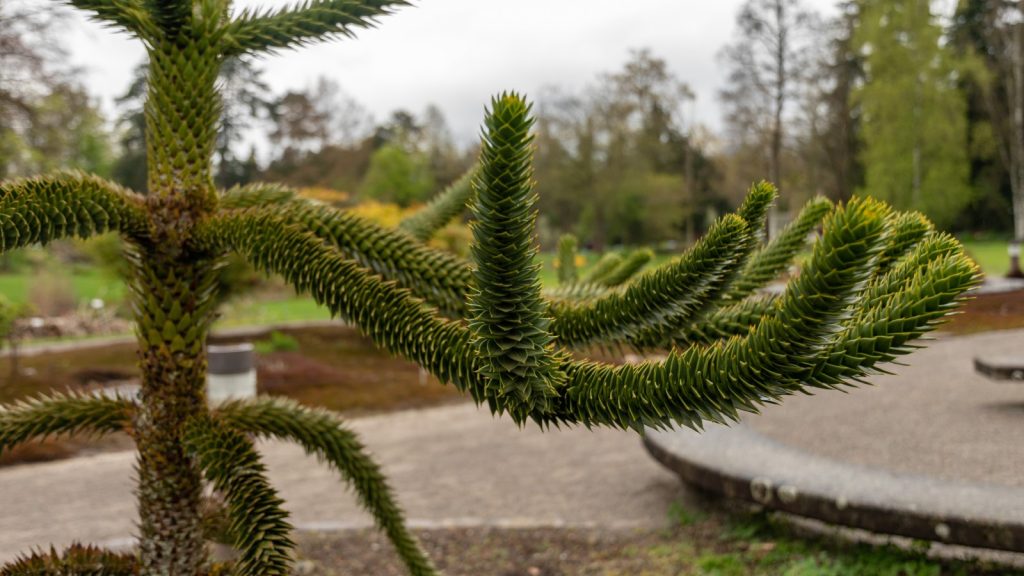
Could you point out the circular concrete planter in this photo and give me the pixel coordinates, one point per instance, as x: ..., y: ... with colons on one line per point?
x: 737, y: 462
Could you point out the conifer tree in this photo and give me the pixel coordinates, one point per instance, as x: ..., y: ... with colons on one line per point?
x: 877, y: 280
x: 914, y: 116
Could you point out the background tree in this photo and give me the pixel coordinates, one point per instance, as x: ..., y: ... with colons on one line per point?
x: 246, y: 101
x: 398, y: 176
x: 613, y: 161
x: 914, y: 117
x: 827, y: 123
x: 130, y: 167
x: 765, y: 66
x: 991, y: 204
x: 30, y: 60
x: 989, y: 35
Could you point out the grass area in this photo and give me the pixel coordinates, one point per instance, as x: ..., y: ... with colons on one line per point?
x: 269, y: 307
x: 713, y: 543
x: 84, y: 284
x: 269, y: 311
x: 991, y: 255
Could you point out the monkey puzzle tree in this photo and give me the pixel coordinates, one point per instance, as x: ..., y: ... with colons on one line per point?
x: 876, y: 281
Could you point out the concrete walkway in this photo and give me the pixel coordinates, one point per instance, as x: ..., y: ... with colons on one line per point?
x: 931, y: 452
x: 454, y: 465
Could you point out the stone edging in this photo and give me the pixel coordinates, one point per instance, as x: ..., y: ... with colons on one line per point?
x: 741, y: 464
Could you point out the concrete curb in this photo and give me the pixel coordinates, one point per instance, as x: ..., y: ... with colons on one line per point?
x: 741, y: 464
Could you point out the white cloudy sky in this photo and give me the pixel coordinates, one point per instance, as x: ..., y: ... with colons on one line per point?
x: 456, y: 53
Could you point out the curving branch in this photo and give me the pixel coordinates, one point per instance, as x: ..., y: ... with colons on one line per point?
x: 754, y: 212
x: 441, y: 209
x: 322, y: 433
x: 57, y: 414
x: 907, y: 230
x: 440, y: 278
x: 781, y: 355
x: 885, y: 328
x: 258, y: 524
x: 733, y: 320
x: 77, y: 559
x: 767, y: 263
x: 604, y: 266
x: 388, y: 314
x: 657, y: 303
x: 507, y: 316
x: 130, y: 15
x: 305, y: 23
x: 42, y: 209
x: 628, y: 268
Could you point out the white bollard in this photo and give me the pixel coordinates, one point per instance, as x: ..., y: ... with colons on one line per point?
x: 231, y: 372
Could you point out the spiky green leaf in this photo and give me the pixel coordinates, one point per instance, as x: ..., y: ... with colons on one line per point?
x: 309, y: 21
x: 67, y: 204
x: 507, y: 316
x: 62, y: 413
x: 767, y: 263
x: 76, y: 560
x: 322, y: 433
x: 258, y: 523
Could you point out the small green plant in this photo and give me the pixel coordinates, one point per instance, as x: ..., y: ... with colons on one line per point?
x: 277, y: 342
x: 876, y: 281
x: 679, y: 515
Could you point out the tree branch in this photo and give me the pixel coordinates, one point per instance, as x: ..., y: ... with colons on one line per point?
x: 58, y: 414
x: 322, y: 433
x: 131, y: 15
x: 259, y: 526
x: 303, y: 24
x: 42, y: 209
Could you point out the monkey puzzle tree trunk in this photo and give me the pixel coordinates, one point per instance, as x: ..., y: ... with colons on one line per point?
x: 173, y: 374
x: 173, y: 301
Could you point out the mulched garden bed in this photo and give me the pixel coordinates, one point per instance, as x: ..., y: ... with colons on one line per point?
x: 708, y: 544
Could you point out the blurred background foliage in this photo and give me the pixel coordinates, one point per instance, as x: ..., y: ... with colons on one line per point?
x: 886, y: 97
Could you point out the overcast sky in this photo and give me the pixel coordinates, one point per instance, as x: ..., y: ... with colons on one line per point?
x: 457, y: 53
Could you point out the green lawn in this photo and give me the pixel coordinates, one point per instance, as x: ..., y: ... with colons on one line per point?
x: 263, y: 312
x: 88, y: 283
x: 85, y: 285
x: 991, y: 255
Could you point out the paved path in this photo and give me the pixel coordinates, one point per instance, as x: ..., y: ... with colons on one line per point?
x: 932, y: 452
x: 450, y: 465
x: 936, y: 417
